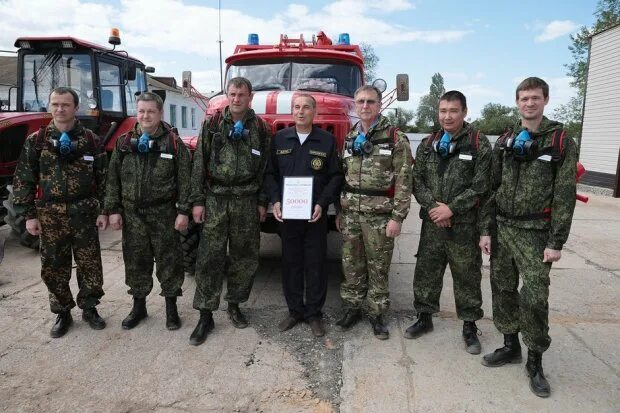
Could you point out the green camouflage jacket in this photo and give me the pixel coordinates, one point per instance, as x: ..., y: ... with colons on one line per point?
x: 223, y: 166
x: 522, y: 189
x: 137, y: 180
x: 78, y: 179
x: 380, y: 182
x: 461, y: 181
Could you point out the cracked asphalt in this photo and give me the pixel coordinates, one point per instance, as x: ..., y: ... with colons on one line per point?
x: 259, y: 369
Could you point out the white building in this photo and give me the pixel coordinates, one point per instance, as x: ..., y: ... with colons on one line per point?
x: 600, y: 139
x: 184, y: 113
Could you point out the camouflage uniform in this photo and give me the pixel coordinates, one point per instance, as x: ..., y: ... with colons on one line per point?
x: 522, y: 191
x: 377, y: 189
x: 144, y: 189
x: 71, y: 194
x: 226, y: 179
x: 460, y: 182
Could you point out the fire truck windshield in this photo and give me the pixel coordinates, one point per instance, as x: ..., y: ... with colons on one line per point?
x: 316, y: 76
x: 44, y: 72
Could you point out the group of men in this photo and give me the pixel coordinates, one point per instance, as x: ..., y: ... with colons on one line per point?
x: 514, y: 202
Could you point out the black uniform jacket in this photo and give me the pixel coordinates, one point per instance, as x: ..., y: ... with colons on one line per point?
x: 317, y: 157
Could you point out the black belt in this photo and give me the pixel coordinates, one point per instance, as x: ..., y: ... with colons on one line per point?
x: 369, y: 192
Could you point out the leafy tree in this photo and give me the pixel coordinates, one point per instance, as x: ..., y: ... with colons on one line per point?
x: 400, y: 118
x: 570, y: 115
x: 371, y: 60
x: 426, y: 115
x: 495, y: 118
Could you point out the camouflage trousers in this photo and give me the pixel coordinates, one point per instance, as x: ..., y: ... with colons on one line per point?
x: 366, y: 257
x: 457, y: 247
x: 231, y: 224
x: 67, y: 230
x: 520, y: 253
x: 149, y: 237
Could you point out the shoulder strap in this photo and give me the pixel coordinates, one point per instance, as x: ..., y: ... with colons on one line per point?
x: 392, y: 133
x: 474, y: 139
x: 557, y: 142
x: 40, y: 139
x: 430, y: 139
x: 502, y: 138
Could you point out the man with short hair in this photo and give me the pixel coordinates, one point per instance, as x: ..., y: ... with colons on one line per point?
x: 298, y: 151
x: 66, y: 162
x: 530, y: 213
x: 375, y: 200
x: 226, y: 181
x: 146, y: 197
x: 450, y: 180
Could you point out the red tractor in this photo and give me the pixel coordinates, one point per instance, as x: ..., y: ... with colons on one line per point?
x: 107, y: 81
x: 329, y: 72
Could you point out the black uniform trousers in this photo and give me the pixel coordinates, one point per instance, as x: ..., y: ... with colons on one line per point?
x: 304, y: 247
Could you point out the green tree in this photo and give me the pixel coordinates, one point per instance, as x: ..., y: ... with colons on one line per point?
x: 570, y: 115
x: 426, y: 115
x: 400, y: 118
x: 495, y: 118
x: 371, y: 60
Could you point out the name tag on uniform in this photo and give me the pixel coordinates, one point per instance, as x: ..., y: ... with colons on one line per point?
x: 385, y: 152
x: 166, y: 155
x: 546, y: 158
x: 465, y: 157
x: 89, y: 158
x: 283, y: 151
x: 255, y: 152
x: 317, y: 153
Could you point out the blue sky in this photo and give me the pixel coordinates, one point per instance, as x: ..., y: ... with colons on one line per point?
x: 483, y: 48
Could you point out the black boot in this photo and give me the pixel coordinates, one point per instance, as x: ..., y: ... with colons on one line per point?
x: 173, y: 322
x: 379, y: 329
x: 538, y: 383
x: 62, y: 324
x: 236, y: 316
x: 93, y: 318
x: 422, y: 326
x: 350, y: 317
x: 137, y: 314
x: 204, y: 326
x: 510, y: 353
x: 470, y: 336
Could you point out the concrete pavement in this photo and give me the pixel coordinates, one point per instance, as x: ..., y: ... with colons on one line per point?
x: 260, y: 369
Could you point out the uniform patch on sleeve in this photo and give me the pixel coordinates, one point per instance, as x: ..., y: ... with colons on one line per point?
x: 283, y: 151
x: 317, y: 153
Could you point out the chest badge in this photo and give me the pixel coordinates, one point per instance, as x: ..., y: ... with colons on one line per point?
x: 317, y: 164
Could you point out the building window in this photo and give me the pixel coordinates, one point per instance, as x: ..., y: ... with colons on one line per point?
x: 173, y: 115
x: 193, y: 118
x: 184, y: 117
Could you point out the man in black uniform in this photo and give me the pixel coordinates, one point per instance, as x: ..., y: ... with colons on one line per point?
x: 304, y: 150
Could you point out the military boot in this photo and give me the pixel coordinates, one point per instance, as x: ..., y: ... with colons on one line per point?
x: 538, y: 383
x: 62, y: 324
x: 236, y: 316
x: 510, y: 353
x: 350, y: 317
x: 204, y: 326
x: 137, y: 314
x: 470, y: 336
x: 379, y: 329
x: 422, y: 326
x: 93, y: 318
x: 173, y: 321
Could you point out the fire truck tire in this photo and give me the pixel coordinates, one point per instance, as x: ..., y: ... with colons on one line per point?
x: 18, y: 223
x: 189, y: 245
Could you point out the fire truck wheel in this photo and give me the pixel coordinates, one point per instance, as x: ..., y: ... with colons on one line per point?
x: 18, y: 223
x: 189, y: 245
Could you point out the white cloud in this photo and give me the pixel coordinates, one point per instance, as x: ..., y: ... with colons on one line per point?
x: 555, y: 29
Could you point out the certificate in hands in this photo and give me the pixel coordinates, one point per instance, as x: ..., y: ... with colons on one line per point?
x: 297, y: 197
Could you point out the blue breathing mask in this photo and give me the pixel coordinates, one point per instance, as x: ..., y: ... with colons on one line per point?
x: 237, y: 132
x: 359, y: 142
x: 64, y: 144
x: 444, y: 147
x: 143, y: 143
x: 522, y: 143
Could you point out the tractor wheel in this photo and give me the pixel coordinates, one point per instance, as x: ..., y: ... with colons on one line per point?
x: 18, y: 223
x: 189, y: 245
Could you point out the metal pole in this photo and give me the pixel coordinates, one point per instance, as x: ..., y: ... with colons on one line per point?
x: 219, y: 14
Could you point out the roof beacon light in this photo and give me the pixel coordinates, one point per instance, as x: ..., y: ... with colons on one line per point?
x: 67, y: 44
x: 115, y: 37
x: 343, y: 39
x: 253, y: 39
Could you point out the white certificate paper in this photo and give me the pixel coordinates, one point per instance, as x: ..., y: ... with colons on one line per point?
x: 297, y: 198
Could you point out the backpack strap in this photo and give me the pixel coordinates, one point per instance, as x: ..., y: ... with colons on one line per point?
x: 474, y: 139
x: 39, y: 141
x: 430, y: 139
x: 557, y: 142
